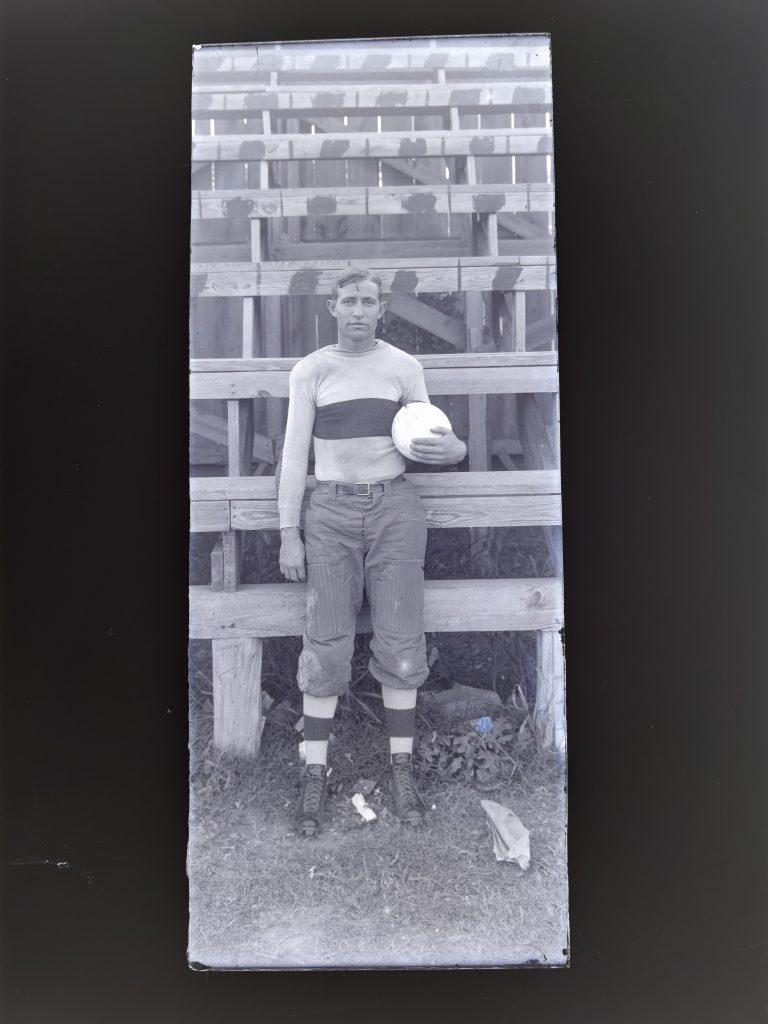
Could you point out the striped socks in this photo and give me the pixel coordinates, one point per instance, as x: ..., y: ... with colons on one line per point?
x: 318, y: 718
x: 400, y: 711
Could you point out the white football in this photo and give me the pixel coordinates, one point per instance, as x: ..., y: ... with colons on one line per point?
x: 416, y: 419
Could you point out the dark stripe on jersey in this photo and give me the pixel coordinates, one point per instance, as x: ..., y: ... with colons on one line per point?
x: 358, y: 417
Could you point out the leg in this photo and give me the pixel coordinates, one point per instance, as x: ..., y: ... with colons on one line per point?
x: 394, y: 573
x: 334, y: 593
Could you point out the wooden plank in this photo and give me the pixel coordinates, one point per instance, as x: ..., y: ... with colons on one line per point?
x: 232, y: 557
x: 407, y: 276
x: 441, y: 513
x: 241, y: 99
x: 429, y: 361
x: 279, y: 609
x: 515, y: 305
x: 249, y: 325
x: 537, y: 429
x: 208, y: 516
x: 273, y: 346
x: 372, y: 145
x: 240, y: 436
x: 217, y: 566
x: 354, y: 250
x: 339, y: 201
x: 508, y: 380
x: 549, y: 710
x: 429, y: 485
x: 237, y: 695
x: 371, y: 57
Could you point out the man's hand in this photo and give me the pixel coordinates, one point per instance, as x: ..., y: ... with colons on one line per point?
x: 292, y: 563
x: 443, y: 450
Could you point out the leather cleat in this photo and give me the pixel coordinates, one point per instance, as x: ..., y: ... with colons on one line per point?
x: 409, y: 806
x: 308, y: 816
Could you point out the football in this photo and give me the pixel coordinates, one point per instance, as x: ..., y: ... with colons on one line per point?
x: 416, y: 419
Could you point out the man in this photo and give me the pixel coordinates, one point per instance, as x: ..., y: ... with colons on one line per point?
x: 365, y: 527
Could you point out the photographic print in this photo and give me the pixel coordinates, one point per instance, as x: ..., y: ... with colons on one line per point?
x: 377, y: 707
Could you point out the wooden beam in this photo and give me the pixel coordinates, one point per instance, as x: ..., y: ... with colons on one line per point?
x: 537, y: 429
x: 549, y: 711
x: 272, y: 318
x: 279, y: 609
x: 240, y: 436
x: 429, y: 485
x: 523, y: 95
x: 441, y: 360
x: 481, y: 380
x: 356, y: 250
x: 349, y: 145
x: 237, y: 695
x: 531, y: 54
x: 441, y: 513
x: 409, y: 276
x: 247, y: 204
x: 208, y: 516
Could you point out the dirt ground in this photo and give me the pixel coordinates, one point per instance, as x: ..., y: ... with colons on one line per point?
x: 362, y: 894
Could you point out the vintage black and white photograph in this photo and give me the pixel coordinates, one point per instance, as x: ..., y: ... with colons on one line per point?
x: 377, y: 680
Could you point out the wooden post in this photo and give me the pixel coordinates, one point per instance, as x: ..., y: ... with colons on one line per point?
x: 549, y: 710
x: 272, y: 345
x: 237, y: 695
x: 240, y: 436
x: 226, y: 561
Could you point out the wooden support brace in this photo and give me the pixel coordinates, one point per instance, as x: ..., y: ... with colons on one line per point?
x: 237, y: 714
x: 240, y: 436
x: 537, y: 429
x: 249, y: 324
x: 478, y: 442
x: 549, y: 710
x: 514, y: 337
x: 272, y: 320
x: 226, y: 561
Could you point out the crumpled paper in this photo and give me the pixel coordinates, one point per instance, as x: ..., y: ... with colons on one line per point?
x: 511, y: 839
x: 362, y: 808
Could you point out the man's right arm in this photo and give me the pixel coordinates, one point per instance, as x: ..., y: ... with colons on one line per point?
x: 293, y: 477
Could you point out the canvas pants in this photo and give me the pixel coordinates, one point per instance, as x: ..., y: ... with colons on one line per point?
x: 361, y: 542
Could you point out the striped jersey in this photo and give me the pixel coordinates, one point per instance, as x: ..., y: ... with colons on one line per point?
x: 345, y: 402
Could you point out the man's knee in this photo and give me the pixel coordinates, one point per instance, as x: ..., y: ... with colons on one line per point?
x: 324, y: 668
x: 398, y: 659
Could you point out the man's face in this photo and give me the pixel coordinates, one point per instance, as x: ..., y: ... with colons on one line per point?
x: 356, y: 310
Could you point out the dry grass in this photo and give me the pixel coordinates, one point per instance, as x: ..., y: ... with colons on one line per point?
x: 365, y: 895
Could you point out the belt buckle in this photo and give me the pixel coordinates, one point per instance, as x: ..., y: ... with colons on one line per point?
x: 363, y: 494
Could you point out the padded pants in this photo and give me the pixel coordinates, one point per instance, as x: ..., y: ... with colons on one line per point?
x: 374, y: 544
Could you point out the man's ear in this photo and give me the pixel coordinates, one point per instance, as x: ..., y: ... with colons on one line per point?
x: 332, y: 307
x: 382, y: 308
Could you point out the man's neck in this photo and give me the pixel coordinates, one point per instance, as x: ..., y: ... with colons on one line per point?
x: 348, y: 345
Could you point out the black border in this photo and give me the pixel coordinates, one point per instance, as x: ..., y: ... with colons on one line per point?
x: 660, y: 160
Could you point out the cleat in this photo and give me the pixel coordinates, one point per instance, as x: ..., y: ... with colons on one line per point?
x: 308, y: 816
x: 409, y: 806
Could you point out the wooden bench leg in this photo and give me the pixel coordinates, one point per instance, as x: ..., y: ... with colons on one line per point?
x: 549, y: 710
x: 237, y: 714
x: 226, y: 561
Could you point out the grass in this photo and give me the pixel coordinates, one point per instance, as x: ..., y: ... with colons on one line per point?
x: 365, y: 894
x: 375, y: 894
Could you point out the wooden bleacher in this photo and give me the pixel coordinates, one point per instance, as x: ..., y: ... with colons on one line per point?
x: 437, y: 175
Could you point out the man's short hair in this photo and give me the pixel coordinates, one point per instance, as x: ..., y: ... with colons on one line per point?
x: 349, y: 276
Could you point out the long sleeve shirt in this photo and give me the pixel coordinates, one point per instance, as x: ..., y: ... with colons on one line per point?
x: 345, y: 402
